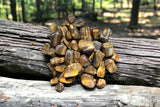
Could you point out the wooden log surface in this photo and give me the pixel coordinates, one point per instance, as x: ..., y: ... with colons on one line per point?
x: 29, y: 93
x: 139, y: 62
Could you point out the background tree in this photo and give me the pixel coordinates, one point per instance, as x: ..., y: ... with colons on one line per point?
x: 134, y: 14
x: 23, y: 11
x: 13, y: 9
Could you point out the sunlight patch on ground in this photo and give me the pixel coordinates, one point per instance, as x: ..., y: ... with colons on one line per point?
x: 158, y: 39
x: 113, y: 21
x: 126, y: 19
x: 145, y: 14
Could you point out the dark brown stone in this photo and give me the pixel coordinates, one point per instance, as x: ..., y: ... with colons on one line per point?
x: 59, y: 87
x: 68, y: 35
x: 90, y: 70
x: 69, y: 57
x: 80, y: 22
x: 61, y: 49
x: 84, y: 60
x: 52, y: 69
x: 88, y: 80
x: 101, y: 83
x: 110, y: 66
x: 46, y: 50
x: 107, y: 49
x: 71, y: 18
x: 55, y: 39
x: 98, y: 58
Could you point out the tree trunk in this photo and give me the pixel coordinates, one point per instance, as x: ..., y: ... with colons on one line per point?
x: 23, y: 11
x: 139, y: 62
x: 101, y: 4
x: 83, y: 5
x: 121, y: 4
x: 13, y: 9
x: 27, y: 93
x: 39, y: 13
x: 134, y: 14
x: 93, y: 6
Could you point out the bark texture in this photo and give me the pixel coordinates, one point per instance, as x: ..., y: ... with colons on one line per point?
x: 27, y: 93
x: 139, y: 62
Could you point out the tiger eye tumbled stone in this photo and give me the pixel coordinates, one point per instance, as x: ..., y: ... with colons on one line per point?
x: 86, y: 47
x: 88, y: 80
x: 97, y: 45
x: 64, y: 29
x: 91, y: 57
x: 76, y: 56
x: 105, y: 35
x: 56, y: 39
x: 86, y: 33
x: 66, y: 80
x: 61, y: 49
x: 101, y: 83
x: 84, y: 60
x: 54, y: 81
x: 71, y: 18
x: 98, y: 58
x: 59, y: 87
x: 101, y: 70
x: 54, y: 28
x: 52, y: 69
x: 46, y: 50
x: 68, y: 35
x: 80, y: 22
x: 107, y: 49
x: 60, y: 68
x: 67, y: 43
x: 110, y: 66
x: 69, y: 57
x: 73, y: 70
x: 75, y: 34
x: 65, y: 23
x: 90, y: 70
x: 115, y: 57
x: 56, y: 60
x: 95, y: 33
x: 74, y: 45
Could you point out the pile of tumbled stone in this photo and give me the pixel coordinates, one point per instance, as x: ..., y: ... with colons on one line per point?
x: 78, y: 51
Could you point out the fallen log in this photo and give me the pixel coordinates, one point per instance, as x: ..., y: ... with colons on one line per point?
x: 39, y: 93
x: 139, y: 62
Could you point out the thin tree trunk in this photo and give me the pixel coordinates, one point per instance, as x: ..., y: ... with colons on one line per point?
x: 93, y: 6
x: 23, y: 11
x: 19, y: 12
x: 13, y: 9
x: 134, y: 14
x: 39, y: 13
x: 101, y: 4
x: 121, y: 4
x: 83, y: 5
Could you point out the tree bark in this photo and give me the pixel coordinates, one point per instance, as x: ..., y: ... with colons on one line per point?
x: 23, y: 10
x: 134, y: 14
x: 20, y: 93
x: 93, y: 6
x: 13, y: 9
x: 139, y: 62
x: 83, y: 5
x: 39, y: 13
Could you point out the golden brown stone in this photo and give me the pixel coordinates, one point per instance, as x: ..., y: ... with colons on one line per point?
x: 88, y: 80
x: 59, y: 87
x: 69, y: 57
x: 75, y: 34
x: 80, y: 22
x: 54, y: 81
x: 101, y: 70
x: 64, y: 29
x: 95, y: 33
x: 67, y: 43
x: 54, y: 28
x: 56, y: 60
x: 72, y: 70
x: 86, y: 33
x: 65, y: 23
x: 115, y: 57
x: 74, y: 45
x: 110, y: 66
x: 101, y: 83
x: 66, y: 80
x: 71, y: 18
x: 55, y: 39
x: 105, y: 35
x: 52, y: 69
x: 98, y: 58
x: 46, y: 50
x: 61, y: 49
x: 71, y: 28
x: 76, y: 56
x: 84, y: 60
x: 91, y: 57
x: 68, y: 35
x: 60, y: 68
x: 86, y: 47
x: 107, y: 49
x: 90, y: 70
x: 97, y: 45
